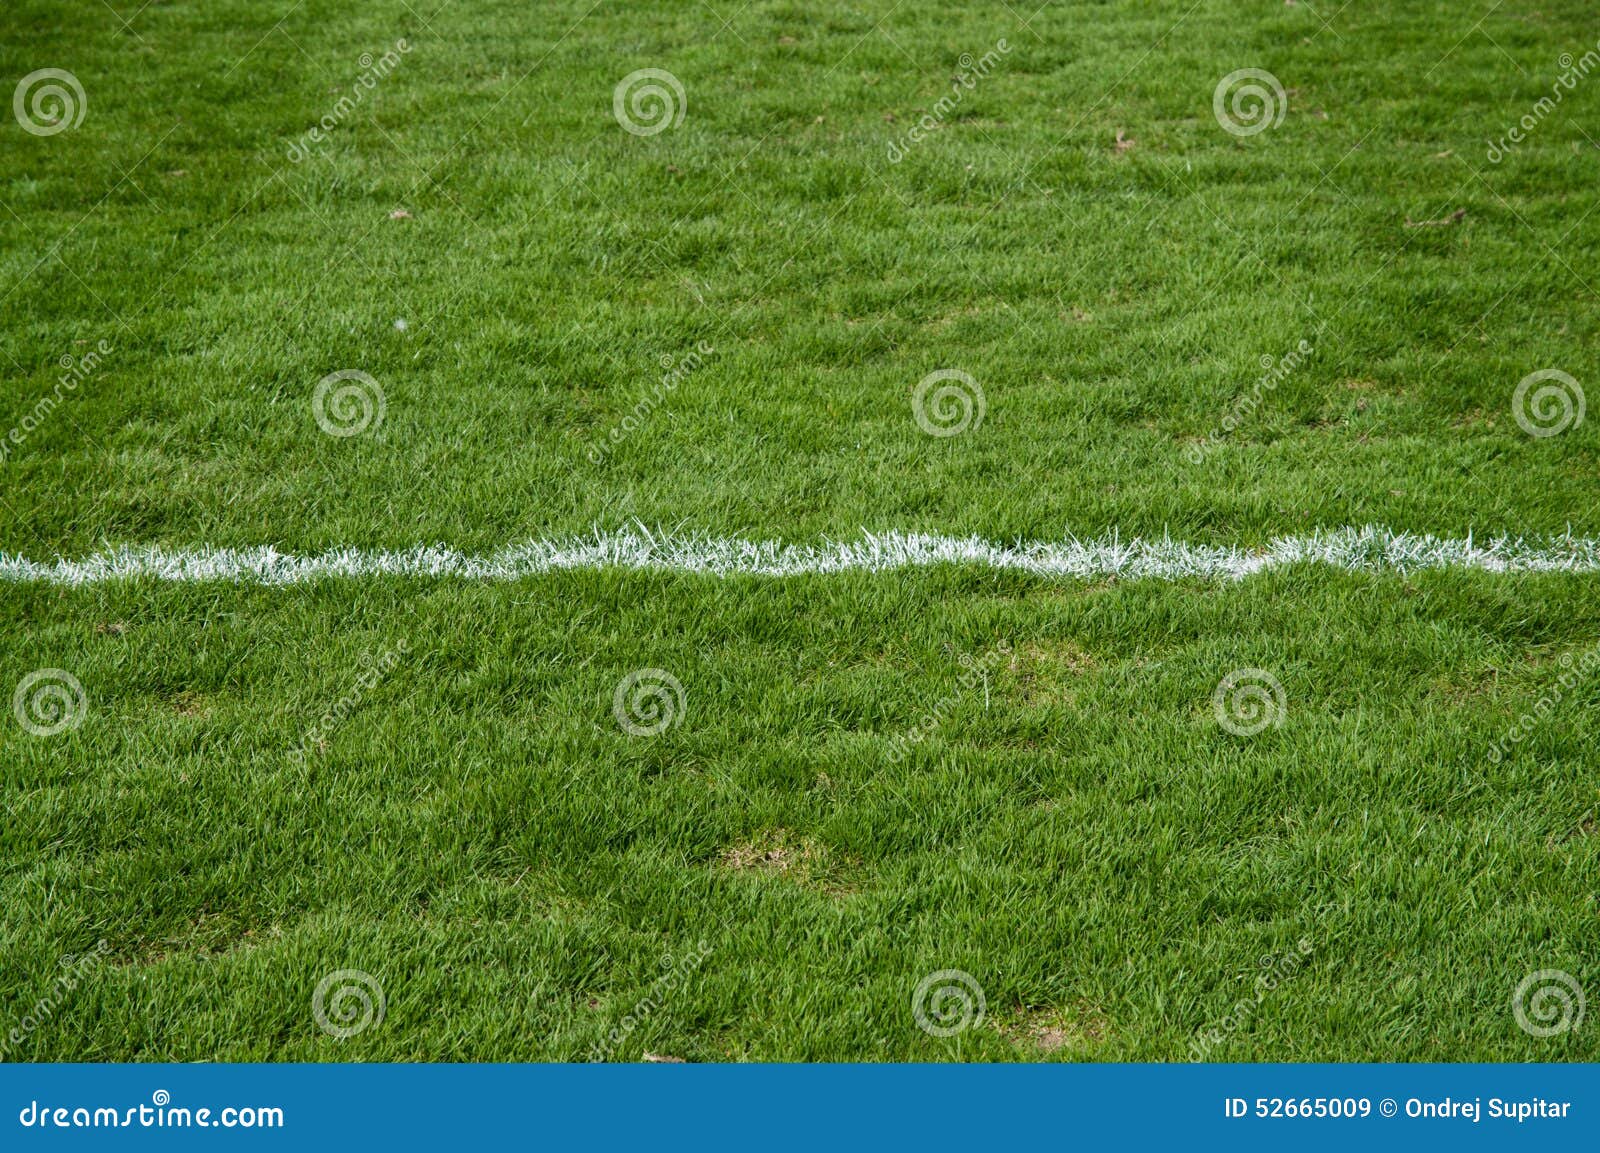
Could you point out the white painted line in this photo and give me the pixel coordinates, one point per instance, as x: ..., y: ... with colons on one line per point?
x: 1367, y: 549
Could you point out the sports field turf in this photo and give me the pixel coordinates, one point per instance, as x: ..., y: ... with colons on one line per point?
x: 873, y: 792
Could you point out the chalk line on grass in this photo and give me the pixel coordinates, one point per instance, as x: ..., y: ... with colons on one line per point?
x: 1370, y: 549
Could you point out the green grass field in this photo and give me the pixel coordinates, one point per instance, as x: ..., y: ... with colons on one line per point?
x: 578, y: 322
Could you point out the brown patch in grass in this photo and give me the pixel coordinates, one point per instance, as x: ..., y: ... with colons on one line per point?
x: 950, y: 318
x: 1455, y: 217
x: 209, y: 937
x: 1588, y: 825
x: 1560, y: 658
x: 780, y: 852
x: 775, y: 851
x: 188, y: 704
x: 1066, y: 655
x: 1046, y: 671
x: 1537, y: 671
x: 1466, y: 687
x: 1078, y: 1029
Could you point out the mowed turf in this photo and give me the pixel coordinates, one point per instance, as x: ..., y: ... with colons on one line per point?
x: 1076, y: 831
x: 1113, y: 304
